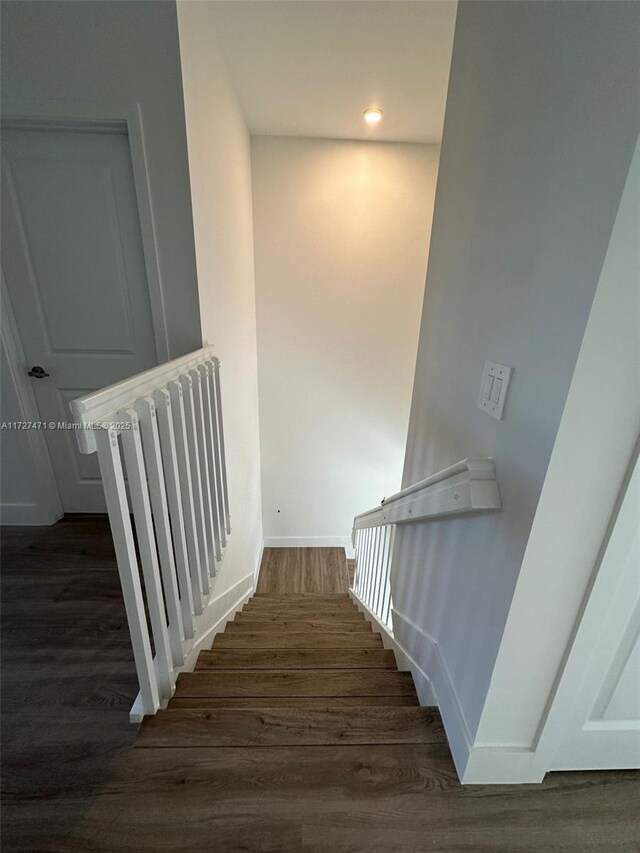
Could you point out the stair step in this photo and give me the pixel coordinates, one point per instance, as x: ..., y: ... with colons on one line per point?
x: 331, y: 682
x: 279, y: 618
x: 312, y: 614
x: 291, y: 727
x: 209, y: 703
x: 302, y: 596
x: 290, y: 601
x: 253, y: 626
x: 355, y: 798
x: 298, y: 640
x: 306, y: 610
x: 296, y: 659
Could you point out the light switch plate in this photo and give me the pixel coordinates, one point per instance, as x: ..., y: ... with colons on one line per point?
x: 493, y: 388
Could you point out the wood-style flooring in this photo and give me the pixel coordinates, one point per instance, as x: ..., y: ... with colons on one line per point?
x: 285, y: 738
x: 68, y: 678
x: 303, y: 570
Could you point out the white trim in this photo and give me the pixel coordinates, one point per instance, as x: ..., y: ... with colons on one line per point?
x: 307, y: 542
x: 428, y: 656
x: 47, y: 509
x: 217, y: 613
x: 107, y: 402
x: 499, y: 765
x: 23, y: 515
x: 256, y: 571
x: 468, y: 486
x: 475, y: 765
x: 404, y: 661
x: 573, y: 735
x: 103, y: 116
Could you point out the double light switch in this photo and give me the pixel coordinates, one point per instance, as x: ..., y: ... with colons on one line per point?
x: 493, y: 388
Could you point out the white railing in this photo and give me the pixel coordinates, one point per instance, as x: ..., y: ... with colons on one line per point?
x: 160, y: 445
x: 371, y: 582
x: 468, y: 486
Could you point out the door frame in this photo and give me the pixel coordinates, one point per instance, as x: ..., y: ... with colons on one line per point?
x: 90, y: 117
x: 105, y: 117
x: 601, y: 591
x: 47, y: 508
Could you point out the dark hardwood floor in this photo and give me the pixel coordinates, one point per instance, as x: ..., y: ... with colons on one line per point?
x: 68, y: 678
x: 284, y: 739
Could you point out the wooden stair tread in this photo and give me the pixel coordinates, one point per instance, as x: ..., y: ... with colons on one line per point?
x: 301, y: 596
x: 298, y: 640
x: 300, y: 605
x: 204, y: 702
x: 255, y: 626
x: 291, y: 727
x: 333, y: 682
x: 300, y: 616
x: 289, y: 799
x: 295, y: 659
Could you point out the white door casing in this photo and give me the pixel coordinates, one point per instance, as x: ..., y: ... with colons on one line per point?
x: 75, y: 270
x: 594, y: 719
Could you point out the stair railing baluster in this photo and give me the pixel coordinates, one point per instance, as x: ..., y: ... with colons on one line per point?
x: 172, y: 521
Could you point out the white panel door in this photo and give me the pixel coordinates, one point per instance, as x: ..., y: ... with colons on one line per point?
x: 594, y: 722
x: 74, y: 266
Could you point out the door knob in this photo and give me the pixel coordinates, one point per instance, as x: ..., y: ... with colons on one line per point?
x: 38, y: 372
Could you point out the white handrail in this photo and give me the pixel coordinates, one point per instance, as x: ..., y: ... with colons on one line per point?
x: 162, y: 431
x: 468, y: 486
x: 96, y: 407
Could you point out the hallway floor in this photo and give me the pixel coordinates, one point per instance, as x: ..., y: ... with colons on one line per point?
x: 68, y: 681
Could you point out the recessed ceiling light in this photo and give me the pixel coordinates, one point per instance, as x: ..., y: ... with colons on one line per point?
x: 372, y: 116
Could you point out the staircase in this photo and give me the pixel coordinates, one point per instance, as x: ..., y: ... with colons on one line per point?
x: 293, y: 670
x: 295, y: 733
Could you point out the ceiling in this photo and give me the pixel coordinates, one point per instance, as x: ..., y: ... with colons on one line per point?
x: 307, y: 68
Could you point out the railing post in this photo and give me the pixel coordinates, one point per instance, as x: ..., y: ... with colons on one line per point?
x: 190, y: 594
x: 146, y: 410
x: 196, y: 483
x: 208, y: 398
x: 186, y: 486
x: 223, y: 456
x: 136, y: 473
x: 122, y: 533
x: 357, y: 544
x: 206, y: 472
x: 388, y: 596
x: 370, y: 553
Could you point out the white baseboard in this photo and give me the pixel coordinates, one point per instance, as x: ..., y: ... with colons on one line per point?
x: 219, y: 610
x: 404, y: 660
x: 497, y: 765
x: 307, y: 542
x: 427, y: 653
x: 28, y: 515
x: 494, y: 765
x: 256, y: 571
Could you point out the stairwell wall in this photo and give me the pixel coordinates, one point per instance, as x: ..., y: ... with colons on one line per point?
x: 220, y: 171
x: 540, y: 128
x: 342, y: 234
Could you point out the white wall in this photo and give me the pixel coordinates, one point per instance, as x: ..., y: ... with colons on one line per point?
x: 341, y: 243
x: 538, y: 137
x: 220, y: 167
